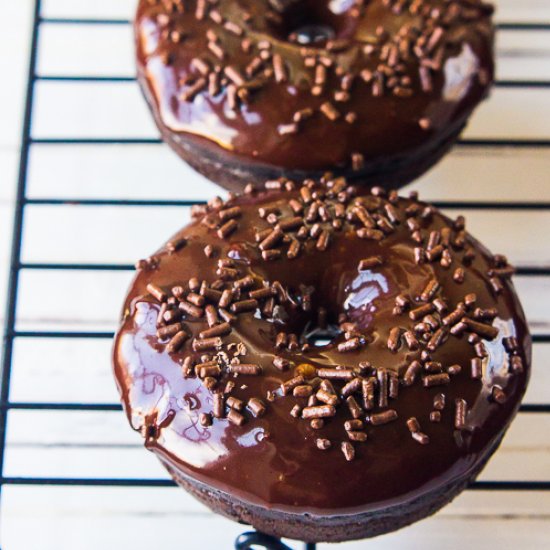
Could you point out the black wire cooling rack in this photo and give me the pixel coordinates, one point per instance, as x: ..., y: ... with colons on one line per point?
x: 17, y: 266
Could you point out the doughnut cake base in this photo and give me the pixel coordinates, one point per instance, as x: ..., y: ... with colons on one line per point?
x: 235, y: 173
x: 314, y: 528
x: 321, y: 361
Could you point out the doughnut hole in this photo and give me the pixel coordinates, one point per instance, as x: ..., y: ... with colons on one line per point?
x: 365, y: 298
x: 313, y: 23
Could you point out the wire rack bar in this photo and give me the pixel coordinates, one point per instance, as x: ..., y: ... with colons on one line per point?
x: 108, y: 407
x: 537, y: 338
x: 118, y: 79
x: 503, y: 26
x: 63, y: 334
x: 85, y: 78
x: 13, y: 280
x: 525, y: 271
x: 100, y: 407
x: 139, y: 482
x: 84, y: 21
x: 489, y: 142
x: 464, y: 205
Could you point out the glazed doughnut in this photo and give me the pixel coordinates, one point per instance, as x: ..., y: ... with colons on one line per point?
x: 251, y: 90
x: 322, y: 361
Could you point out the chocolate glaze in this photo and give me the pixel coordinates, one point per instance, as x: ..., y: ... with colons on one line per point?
x: 388, y: 130
x: 272, y: 461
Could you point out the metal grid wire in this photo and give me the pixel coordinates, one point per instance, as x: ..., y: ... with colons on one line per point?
x: 17, y: 266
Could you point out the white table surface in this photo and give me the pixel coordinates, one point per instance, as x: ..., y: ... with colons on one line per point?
x: 100, y: 444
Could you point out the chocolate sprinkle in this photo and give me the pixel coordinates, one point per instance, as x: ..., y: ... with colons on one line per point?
x: 431, y: 380
x: 461, y: 408
x: 320, y: 411
x: 385, y: 417
x: 348, y: 450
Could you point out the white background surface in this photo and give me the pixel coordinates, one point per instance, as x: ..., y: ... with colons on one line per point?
x: 99, y: 444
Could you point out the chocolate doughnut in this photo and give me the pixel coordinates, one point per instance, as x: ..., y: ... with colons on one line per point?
x: 322, y: 361
x: 251, y: 90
